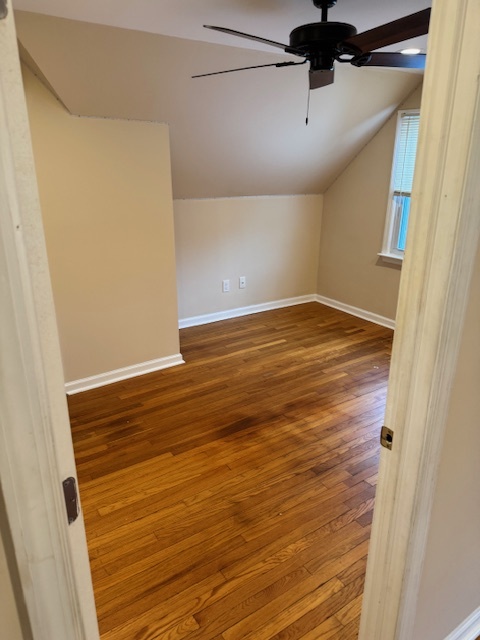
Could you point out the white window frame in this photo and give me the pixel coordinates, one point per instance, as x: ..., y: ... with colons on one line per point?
x: 389, y: 252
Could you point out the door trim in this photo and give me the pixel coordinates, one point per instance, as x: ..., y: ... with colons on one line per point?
x: 433, y: 294
x: 36, y: 451
x: 434, y: 290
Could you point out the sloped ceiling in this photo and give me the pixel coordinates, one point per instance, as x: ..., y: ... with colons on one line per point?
x: 231, y: 135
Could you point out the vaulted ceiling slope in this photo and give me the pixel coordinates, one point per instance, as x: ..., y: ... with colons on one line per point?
x: 239, y: 134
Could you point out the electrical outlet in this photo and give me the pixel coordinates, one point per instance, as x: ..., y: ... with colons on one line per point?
x: 226, y: 286
x: 242, y: 282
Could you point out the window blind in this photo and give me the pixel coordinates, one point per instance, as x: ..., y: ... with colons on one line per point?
x: 405, y: 153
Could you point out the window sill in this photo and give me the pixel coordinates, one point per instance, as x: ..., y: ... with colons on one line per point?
x: 391, y: 258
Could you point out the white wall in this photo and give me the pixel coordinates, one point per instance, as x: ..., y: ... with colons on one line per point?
x: 273, y: 241
x: 450, y: 584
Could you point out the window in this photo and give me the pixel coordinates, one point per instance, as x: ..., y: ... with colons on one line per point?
x: 396, y: 225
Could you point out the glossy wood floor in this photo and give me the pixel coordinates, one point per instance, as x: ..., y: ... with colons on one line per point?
x: 230, y: 498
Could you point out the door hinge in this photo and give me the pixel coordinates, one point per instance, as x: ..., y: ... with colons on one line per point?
x: 386, y: 437
x: 3, y: 9
x: 71, y: 499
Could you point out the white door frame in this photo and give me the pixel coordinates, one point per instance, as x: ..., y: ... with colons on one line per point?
x: 35, y: 444
x: 36, y: 450
x: 434, y: 290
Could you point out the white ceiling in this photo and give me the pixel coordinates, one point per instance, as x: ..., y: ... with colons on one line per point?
x: 272, y: 19
x: 231, y: 135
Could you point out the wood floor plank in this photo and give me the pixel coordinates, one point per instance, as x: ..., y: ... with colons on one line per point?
x: 350, y: 612
x: 247, y: 598
x: 314, y: 617
x: 280, y: 612
x: 331, y: 628
x: 231, y: 498
x: 153, y: 617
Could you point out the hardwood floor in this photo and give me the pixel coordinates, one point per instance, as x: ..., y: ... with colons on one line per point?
x: 231, y: 498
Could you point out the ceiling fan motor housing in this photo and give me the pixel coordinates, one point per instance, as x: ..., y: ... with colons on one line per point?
x: 319, y: 41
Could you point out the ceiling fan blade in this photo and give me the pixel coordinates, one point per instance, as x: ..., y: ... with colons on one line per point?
x: 320, y: 78
x: 257, y: 66
x: 390, y: 59
x: 248, y: 36
x: 405, y: 28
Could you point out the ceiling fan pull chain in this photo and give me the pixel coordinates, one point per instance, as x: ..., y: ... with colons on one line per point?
x: 308, y: 106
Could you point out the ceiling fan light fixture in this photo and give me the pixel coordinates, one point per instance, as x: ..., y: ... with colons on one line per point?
x: 411, y: 51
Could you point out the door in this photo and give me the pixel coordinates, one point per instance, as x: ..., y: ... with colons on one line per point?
x: 36, y: 452
x: 434, y: 288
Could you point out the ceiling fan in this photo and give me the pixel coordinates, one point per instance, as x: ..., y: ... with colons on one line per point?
x: 324, y: 43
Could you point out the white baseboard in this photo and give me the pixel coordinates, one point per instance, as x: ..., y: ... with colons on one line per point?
x: 122, y: 374
x: 244, y: 311
x: 469, y: 629
x: 288, y: 302
x: 162, y: 363
x: 355, y: 311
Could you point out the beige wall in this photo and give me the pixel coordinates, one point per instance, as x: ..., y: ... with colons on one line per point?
x: 271, y: 240
x: 450, y: 585
x: 352, y: 229
x: 105, y: 191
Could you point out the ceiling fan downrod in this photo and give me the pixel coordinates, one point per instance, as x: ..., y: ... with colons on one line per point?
x: 324, y: 5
